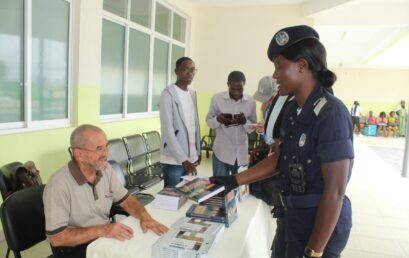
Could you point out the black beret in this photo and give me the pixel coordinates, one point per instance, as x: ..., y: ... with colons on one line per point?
x: 287, y: 37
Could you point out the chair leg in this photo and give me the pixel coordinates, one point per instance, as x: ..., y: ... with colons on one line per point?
x: 207, y: 154
x: 8, y: 252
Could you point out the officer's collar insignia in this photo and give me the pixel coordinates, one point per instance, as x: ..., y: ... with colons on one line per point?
x: 302, y: 140
x: 282, y: 38
x: 319, y: 104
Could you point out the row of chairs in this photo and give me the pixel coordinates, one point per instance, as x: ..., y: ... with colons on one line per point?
x: 208, y: 141
x: 138, y: 159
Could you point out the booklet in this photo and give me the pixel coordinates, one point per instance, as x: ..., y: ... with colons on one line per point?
x: 222, y: 209
x: 169, y: 199
x: 187, y: 238
x: 199, y: 189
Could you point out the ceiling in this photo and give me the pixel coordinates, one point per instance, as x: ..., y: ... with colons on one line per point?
x: 356, y: 33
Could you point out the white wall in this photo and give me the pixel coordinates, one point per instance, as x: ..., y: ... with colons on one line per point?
x: 237, y: 38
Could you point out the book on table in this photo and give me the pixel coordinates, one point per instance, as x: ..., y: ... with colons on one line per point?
x: 199, y: 189
x: 222, y: 209
x: 169, y: 199
x: 187, y: 238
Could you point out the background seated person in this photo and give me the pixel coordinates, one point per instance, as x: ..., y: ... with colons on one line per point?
x: 393, y: 123
x: 371, y: 119
x: 78, y: 198
x: 382, y: 122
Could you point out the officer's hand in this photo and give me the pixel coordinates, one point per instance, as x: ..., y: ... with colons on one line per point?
x: 229, y: 182
x: 240, y: 119
x: 189, y: 168
x: 223, y: 120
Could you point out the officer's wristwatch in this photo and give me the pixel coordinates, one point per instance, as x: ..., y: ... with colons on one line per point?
x: 309, y: 252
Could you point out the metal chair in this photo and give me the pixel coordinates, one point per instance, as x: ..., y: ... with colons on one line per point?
x: 207, y: 142
x: 134, y: 191
x: 152, y: 141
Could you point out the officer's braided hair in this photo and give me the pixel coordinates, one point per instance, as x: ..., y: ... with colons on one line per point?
x: 314, y: 53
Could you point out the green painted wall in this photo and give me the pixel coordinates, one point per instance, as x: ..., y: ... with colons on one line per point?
x: 48, y: 148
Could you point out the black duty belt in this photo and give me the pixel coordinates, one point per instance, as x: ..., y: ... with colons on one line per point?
x: 300, y: 201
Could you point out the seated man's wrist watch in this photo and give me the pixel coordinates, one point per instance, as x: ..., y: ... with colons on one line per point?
x: 309, y: 252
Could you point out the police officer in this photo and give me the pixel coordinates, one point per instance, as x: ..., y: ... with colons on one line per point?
x: 316, y: 152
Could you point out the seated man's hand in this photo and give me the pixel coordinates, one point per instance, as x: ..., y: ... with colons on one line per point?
x: 229, y: 182
x: 189, y: 168
x: 147, y: 222
x: 240, y: 119
x: 223, y: 120
x: 118, y: 231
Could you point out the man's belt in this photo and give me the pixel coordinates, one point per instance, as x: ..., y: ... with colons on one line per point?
x: 300, y: 201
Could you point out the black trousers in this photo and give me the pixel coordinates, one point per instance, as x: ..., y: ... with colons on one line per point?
x: 295, y: 249
x: 79, y: 251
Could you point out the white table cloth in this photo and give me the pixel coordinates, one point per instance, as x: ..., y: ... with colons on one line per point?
x: 249, y: 236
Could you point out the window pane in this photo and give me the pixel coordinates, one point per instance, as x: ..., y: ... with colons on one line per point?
x: 112, y: 67
x: 49, y: 64
x: 141, y: 12
x: 11, y: 61
x: 177, y: 52
x: 179, y: 28
x: 162, y: 19
x: 160, y: 71
x: 138, y: 72
x: 117, y: 7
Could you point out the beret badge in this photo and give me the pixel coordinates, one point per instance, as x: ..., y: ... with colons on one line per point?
x: 282, y: 38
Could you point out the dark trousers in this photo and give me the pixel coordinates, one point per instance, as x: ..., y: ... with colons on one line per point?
x: 79, y: 251
x: 283, y: 249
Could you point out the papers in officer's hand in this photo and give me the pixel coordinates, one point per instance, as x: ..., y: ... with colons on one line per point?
x: 189, y: 178
x: 187, y: 238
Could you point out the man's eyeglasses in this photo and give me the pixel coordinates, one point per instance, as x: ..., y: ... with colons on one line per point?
x: 99, y: 149
x: 188, y: 70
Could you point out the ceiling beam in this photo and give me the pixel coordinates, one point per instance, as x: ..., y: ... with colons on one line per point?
x: 312, y: 7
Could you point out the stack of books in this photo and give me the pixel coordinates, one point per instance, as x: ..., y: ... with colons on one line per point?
x: 169, y: 199
x: 221, y: 209
x: 187, y: 238
x: 199, y: 189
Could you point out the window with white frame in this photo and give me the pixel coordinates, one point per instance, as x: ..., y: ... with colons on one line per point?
x: 141, y: 41
x: 34, y: 63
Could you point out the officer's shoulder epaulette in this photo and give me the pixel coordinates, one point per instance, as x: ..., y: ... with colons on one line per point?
x: 320, y: 105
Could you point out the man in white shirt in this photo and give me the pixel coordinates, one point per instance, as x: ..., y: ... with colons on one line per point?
x: 180, y: 141
x: 356, y: 113
x: 233, y: 115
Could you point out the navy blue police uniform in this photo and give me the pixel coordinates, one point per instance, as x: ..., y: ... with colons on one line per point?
x: 320, y: 132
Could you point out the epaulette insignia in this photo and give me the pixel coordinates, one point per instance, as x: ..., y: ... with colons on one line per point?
x: 319, y: 104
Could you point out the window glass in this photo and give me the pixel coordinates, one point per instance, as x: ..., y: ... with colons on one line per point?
x: 112, y: 67
x: 117, y: 7
x: 162, y: 19
x: 49, y: 60
x: 138, y: 72
x: 177, y: 52
x: 140, y: 12
x: 11, y: 61
x: 179, y: 27
x: 160, y: 71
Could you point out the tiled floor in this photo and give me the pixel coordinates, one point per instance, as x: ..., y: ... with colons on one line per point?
x: 379, y: 195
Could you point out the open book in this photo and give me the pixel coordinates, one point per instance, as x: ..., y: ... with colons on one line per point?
x: 199, y: 189
x: 187, y: 238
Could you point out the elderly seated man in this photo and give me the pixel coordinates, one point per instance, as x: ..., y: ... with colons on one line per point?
x: 78, y: 198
